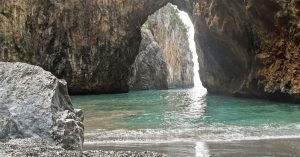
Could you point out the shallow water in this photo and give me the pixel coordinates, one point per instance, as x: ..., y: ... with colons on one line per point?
x: 183, y: 121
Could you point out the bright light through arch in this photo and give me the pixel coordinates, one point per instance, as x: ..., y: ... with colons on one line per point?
x: 187, y: 21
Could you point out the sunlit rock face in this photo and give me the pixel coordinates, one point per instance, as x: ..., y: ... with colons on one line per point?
x: 165, y: 59
x: 91, y: 44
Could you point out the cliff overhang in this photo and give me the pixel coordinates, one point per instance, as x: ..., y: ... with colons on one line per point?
x: 246, y: 48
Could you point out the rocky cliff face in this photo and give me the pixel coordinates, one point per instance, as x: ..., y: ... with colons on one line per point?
x: 249, y: 48
x: 165, y: 59
x: 91, y: 44
x: 35, y: 104
x: 246, y: 47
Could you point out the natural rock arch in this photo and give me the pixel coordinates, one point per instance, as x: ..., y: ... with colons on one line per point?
x: 165, y: 58
x: 247, y: 48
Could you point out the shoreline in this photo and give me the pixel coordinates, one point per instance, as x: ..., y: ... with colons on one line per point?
x: 264, y: 147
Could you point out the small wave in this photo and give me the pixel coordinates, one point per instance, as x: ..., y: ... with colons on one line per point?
x: 203, y: 134
x: 187, y: 140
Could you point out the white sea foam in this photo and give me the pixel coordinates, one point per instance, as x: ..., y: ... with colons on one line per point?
x: 200, y: 134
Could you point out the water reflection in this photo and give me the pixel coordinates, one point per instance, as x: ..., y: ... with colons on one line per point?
x: 196, y: 105
x: 187, y: 104
x: 201, y: 150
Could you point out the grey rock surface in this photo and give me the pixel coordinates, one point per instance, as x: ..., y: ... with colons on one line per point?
x: 35, y: 104
x: 165, y: 60
x: 150, y: 69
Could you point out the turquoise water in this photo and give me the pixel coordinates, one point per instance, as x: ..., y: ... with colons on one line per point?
x: 184, y: 115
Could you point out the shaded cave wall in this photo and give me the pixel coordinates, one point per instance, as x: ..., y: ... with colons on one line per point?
x: 249, y: 48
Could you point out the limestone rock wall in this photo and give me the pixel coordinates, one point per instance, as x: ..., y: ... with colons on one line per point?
x: 165, y: 59
x: 246, y: 47
x: 89, y: 43
x: 35, y: 104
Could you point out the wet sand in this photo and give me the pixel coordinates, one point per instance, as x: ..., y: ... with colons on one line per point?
x: 251, y: 148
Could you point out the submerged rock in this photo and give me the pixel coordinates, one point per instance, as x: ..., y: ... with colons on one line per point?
x: 165, y: 59
x: 35, y: 104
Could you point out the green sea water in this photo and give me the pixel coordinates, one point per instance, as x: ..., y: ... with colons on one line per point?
x: 184, y: 109
x: 184, y: 116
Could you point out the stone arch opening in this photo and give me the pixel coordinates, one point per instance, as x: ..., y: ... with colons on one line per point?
x: 165, y: 58
x: 222, y: 67
x: 237, y: 45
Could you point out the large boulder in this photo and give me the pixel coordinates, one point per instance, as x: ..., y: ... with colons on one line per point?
x: 35, y: 104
